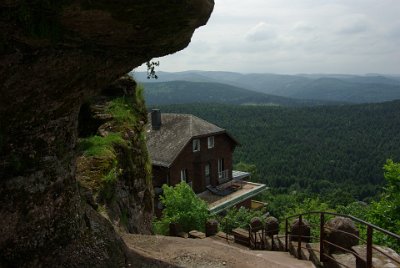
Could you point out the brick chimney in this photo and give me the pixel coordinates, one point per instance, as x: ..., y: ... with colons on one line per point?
x: 155, y: 119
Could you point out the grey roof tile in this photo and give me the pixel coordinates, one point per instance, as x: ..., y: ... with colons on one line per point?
x: 165, y: 144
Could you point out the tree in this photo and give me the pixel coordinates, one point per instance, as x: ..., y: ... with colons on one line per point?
x: 386, y: 212
x: 252, y: 169
x: 182, y: 206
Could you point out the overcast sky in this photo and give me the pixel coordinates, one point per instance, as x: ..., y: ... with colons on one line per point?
x: 295, y: 36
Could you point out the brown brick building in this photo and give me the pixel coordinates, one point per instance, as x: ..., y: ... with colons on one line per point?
x: 186, y: 148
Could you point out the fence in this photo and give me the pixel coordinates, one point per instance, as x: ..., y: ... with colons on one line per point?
x: 320, y: 237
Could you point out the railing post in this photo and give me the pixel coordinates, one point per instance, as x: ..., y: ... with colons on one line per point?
x: 299, y: 237
x: 369, y: 246
x: 286, y: 235
x: 321, y: 236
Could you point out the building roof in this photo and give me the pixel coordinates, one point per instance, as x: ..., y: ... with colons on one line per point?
x: 177, y: 130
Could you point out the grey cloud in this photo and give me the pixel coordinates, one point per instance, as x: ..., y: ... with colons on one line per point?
x: 261, y: 32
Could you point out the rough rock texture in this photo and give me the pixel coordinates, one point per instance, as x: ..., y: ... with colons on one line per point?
x: 256, y: 224
x: 54, y: 55
x: 340, y: 231
x: 379, y: 259
x: 271, y: 226
x: 296, y: 229
x: 127, y: 199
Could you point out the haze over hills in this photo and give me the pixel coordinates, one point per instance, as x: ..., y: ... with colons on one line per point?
x: 334, y: 87
x: 180, y: 92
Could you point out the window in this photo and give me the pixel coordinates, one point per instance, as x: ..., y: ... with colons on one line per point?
x: 185, y: 178
x: 220, y: 165
x: 210, y: 142
x: 196, y: 145
x: 184, y: 175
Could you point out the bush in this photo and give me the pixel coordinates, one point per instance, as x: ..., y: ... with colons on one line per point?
x: 182, y: 206
x: 239, y: 218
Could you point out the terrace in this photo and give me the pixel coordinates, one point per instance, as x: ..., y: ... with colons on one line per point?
x: 231, y: 193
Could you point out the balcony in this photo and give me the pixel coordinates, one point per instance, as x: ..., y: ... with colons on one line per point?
x: 223, y: 176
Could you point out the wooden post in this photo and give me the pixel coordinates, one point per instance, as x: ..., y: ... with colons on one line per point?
x: 321, y: 236
x: 369, y: 246
x: 299, y: 237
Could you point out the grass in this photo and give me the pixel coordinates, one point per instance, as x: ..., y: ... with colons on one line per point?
x: 122, y: 111
x: 101, y: 146
x: 112, y: 174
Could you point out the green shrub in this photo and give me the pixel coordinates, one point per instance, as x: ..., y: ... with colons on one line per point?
x: 182, y: 206
x: 239, y: 218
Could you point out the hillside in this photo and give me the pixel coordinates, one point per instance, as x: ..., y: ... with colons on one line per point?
x: 336, y: 152
x: 334, y: 87
x: 180, y: 92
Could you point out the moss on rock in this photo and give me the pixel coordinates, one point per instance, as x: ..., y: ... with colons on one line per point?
x: 114, y: 166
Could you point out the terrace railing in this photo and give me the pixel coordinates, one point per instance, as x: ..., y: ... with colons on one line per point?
x: 370, y: 229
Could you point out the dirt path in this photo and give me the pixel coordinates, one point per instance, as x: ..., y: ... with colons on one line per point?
x: 208, y: 252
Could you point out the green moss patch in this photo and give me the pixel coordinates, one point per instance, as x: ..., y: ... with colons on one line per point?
x: 101, y: 146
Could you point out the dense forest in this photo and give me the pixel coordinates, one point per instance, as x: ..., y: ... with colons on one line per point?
x: 334, y: 152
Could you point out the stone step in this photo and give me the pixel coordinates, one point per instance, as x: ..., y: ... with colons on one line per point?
x: 378, y: 259
x: 280, y: 242
x: 272, y: 243
x: 197, y: 234
x: 313, y: 249
x: 304, y: 253
x: 341, y: 260
x: 241, y: 236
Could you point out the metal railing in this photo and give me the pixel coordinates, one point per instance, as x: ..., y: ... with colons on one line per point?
x: 370, y: 230
x: 257, y: 237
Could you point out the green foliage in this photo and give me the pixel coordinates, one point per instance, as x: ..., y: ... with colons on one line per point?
x: 252, y: 169
x: 239, y: 218
x: 392, y: 176
x: 385, y: 212
x: 140, y: 97
x: 279, y: 205
x: 101, y: 146
x: 356, y: 209
x: 111, y: 176
x: 334, y: 152
x: 122, y: 111
x: 307, y: 205
x: 182, y: 206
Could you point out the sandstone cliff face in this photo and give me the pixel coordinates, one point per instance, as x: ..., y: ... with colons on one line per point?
x: 54, y: 55
x: 113, y: 166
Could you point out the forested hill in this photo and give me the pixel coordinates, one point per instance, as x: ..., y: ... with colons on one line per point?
x: 179, y: 92
x: 326, y: 87
x: 335, y: 151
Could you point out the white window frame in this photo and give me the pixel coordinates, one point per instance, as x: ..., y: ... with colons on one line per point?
x: 220, y: 165
x: 210, y: 142
x: 196, y: 145
x: 184, y: 175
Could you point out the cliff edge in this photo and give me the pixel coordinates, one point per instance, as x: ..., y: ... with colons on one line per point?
x: 54, y: 56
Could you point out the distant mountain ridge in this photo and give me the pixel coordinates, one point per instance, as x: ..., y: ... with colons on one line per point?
x: 330, y: 87
x: 183, y: 92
